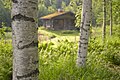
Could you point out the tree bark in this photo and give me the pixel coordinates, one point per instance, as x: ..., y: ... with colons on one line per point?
x: 84, y: 32
x: 67, y: 2
x: 25, y: 39
x: 111, y: 18
x: 47, y: 3
x: 104, y: 21
x: 59, y: 4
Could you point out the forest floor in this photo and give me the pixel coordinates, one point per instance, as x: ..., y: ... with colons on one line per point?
x: 103, y: 61
x: 52, y: 35
x: 58, y: 54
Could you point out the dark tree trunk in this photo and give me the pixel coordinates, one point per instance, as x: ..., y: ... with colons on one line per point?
x: 111, y: 18
x: 59, y: 4
x: 67, y: 2
x: 104, y: 21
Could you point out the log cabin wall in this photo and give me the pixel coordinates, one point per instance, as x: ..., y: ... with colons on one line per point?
x: 58, y: 24
x: 61, y: 22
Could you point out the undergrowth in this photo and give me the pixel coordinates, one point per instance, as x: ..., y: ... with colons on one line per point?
x: 5, y: 60
x: 58, y: 60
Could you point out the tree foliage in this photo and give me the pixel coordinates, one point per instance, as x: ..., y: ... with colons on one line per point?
x: 4, y: 14
x: 50, y: 6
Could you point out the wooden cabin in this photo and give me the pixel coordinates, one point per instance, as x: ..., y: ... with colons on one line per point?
x: 59, y: 21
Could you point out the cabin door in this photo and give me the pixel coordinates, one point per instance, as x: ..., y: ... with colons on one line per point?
x: 61, y: 24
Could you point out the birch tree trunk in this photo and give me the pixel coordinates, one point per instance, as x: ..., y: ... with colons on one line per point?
x: 84, y: 32
x: 111, y: 18
x: 25, y: 39
x: 104, y: 21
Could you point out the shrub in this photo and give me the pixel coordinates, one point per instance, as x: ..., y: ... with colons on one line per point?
x: 2, y: 33
x: 112, y: 53
x: 5, y: 60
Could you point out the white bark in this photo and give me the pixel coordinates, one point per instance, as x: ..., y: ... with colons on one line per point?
x: 25, y: 39
x: 85, y: 31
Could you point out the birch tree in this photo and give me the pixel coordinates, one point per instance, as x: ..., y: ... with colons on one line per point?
x: 104, y: 21
x: 25, y: 41
x: 84, y: 32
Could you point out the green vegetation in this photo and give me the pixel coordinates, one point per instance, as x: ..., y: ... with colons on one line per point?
x: 59, y: 32
x: 58, y: 58
x: 72, y: 35
x: 58, y: 49
x: 5, y: 60
x: 59, y: 62
x: 49, y: 6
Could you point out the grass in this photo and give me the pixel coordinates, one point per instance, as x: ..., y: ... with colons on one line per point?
x: 59, y: 62
x: 58, y: 55
x: 72, y: 35
x: 8, y: 35
x: 59, y: 32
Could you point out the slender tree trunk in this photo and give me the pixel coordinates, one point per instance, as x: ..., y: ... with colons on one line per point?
x: 67, y: 2
x: 85, y: 31
x: 104, y: 21
x: 59, y: 4
x: 111, y: 18
x: 25, y: 39
x: 47, y: 3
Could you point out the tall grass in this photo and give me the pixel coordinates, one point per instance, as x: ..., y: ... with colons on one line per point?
x: 59, y: 63
x: 5, y: 60
x: 58, y: 59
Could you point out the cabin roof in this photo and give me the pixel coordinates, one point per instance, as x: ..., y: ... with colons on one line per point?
x: 56, y: 14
